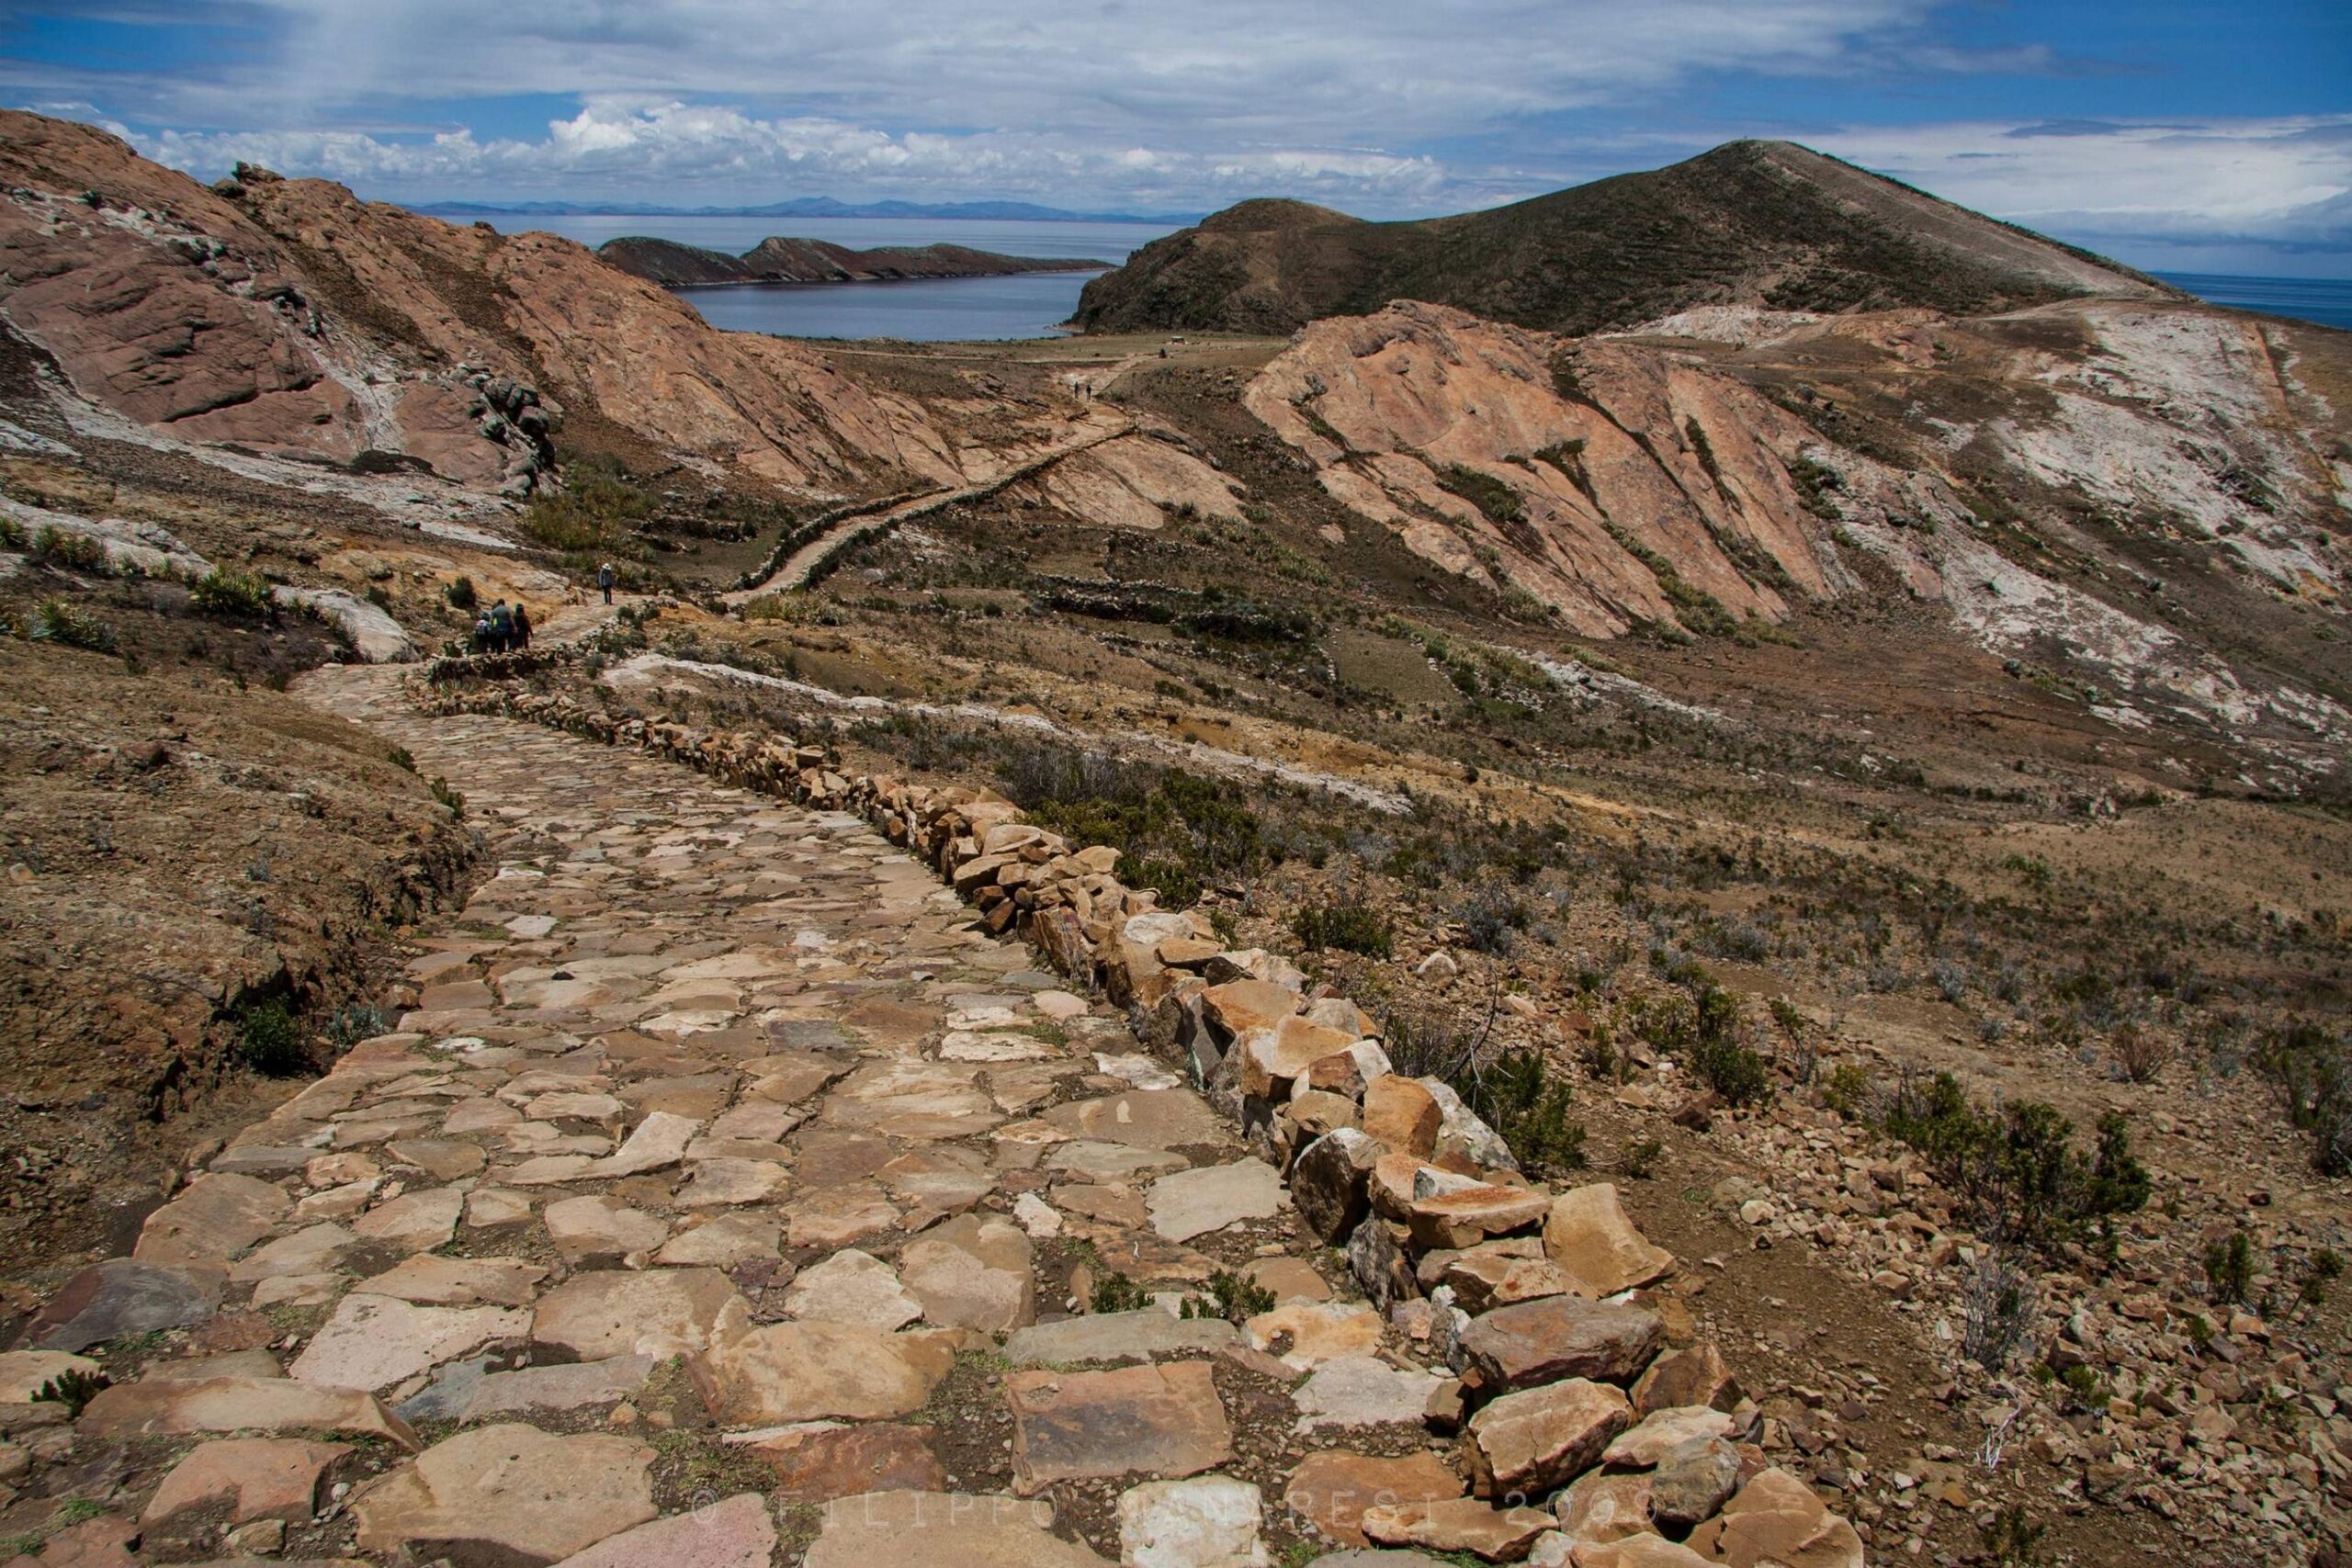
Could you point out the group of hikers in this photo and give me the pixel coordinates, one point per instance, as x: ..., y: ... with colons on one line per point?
x: 507, y: 628
x: 502, y: 629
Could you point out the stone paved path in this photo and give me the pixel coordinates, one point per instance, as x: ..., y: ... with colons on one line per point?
x: 726, y: 1198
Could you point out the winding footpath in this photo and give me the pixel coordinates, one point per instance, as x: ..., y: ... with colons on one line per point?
x: 728, y: 1196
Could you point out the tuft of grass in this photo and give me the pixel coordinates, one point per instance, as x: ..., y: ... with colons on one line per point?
x: 230, y: 595
x: 1497, y: 501
x: 73, y: 1390
x: 1234, y: 1297
x: 59, y: 621
x: 1117, y: 1292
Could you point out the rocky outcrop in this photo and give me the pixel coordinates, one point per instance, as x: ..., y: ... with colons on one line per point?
x: 290, y: 317
x: 1617, y: 485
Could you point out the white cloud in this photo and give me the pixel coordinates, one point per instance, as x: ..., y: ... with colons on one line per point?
x: 2254, y: 177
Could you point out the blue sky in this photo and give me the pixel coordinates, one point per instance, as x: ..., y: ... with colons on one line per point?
x: 2174, y: 135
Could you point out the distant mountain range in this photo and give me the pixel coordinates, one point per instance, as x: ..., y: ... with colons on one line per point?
x: 805, y: 207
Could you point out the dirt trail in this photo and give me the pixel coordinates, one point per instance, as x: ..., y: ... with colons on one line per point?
x: 804, y: 563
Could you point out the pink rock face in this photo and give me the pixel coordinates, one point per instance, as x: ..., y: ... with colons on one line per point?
x: 1399, y: 389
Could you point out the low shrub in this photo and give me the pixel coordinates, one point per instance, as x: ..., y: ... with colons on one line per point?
x: 1349, y: 925
x: 2314, y: 1071
x: 1527, y: 1104
x: 73, y: 1389
x: 2017, y: 1168
x: 461, y: 593
x: 1233, y: 1297
x: 269, y: 1042
x: 2229, y: 1268
x: 1116, y: 1292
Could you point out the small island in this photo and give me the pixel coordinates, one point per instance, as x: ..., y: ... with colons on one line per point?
x: 783, y: 260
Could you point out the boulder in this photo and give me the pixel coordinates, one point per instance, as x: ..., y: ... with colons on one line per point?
x: 1272, y: 1060
x: 1696, y: 1374
x: 1465, y: 1216
x: 588, y: 1230
x: 1118, y: 1336
x: 1530, y: 1443
x: 1193, y: 1202
x: 1639, y: 1552
x: 1483, y: 1280
x: 1306, y: 1334
x: 1603, y: 1505
x: 1239, y: 1006
x: 1691, y: 1481
x: 807, y: 1371
x: 1326, y: 1182
x: 1662, y: 1431
x: 1776, y: 1520
x: 23, y: 1373
x: 374, y: 1342
x: 1553, y: 1338
x: 510, y: 1490
x: 171, y: 1407
x: 1403, y: 1115
x: 853, y: 1287
x: 122, y: 1296
x: 1589, y: 1238
x: 972, y: 1273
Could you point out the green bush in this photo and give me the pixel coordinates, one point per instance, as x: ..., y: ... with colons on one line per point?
x: 1491, y: 496
x: 2016, y: 1167
x: 1234, y: 1297
x: 461, y: 595
x: 269, y: 1042
x: 1523, y: 1100
x: 59, y: 621
x: 1116, y: 1292
x: 73, y: 1389
x: 1348, y: 925
x: 448, y: 796
x: 1721, y: 1059
x: 2229, y: 1268
x: 233, y: 595
x: 597, y: 513
x: 2314, y: 1071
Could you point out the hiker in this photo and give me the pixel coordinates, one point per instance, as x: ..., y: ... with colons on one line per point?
x: 605, y: 580
x: 522, y: 626
x: 482, y: 634
x: 501, y: 627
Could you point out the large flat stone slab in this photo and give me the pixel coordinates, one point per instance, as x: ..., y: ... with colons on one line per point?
x: 737, y: 1533
x: 817, y: 1462
x: 122, y: 1296
x: 1164, y: 1420
x: 373, y: 1342
x: 1362, y: 1391
x: 936, y: 1529
x: 1135, y: 1336
x: 853, y: 1287
x: 972, y: 1273
x: 807, y: 1371
x: 161, y: 1407
x: 257, y: 1478
x: 1194, y: 1202
x: 1333, y: 1489
x: 661, y: 1311
x: 510, y: 1490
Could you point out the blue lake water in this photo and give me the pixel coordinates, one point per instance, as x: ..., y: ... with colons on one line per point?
x: 952, y: 309
x: 2327, y: 301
